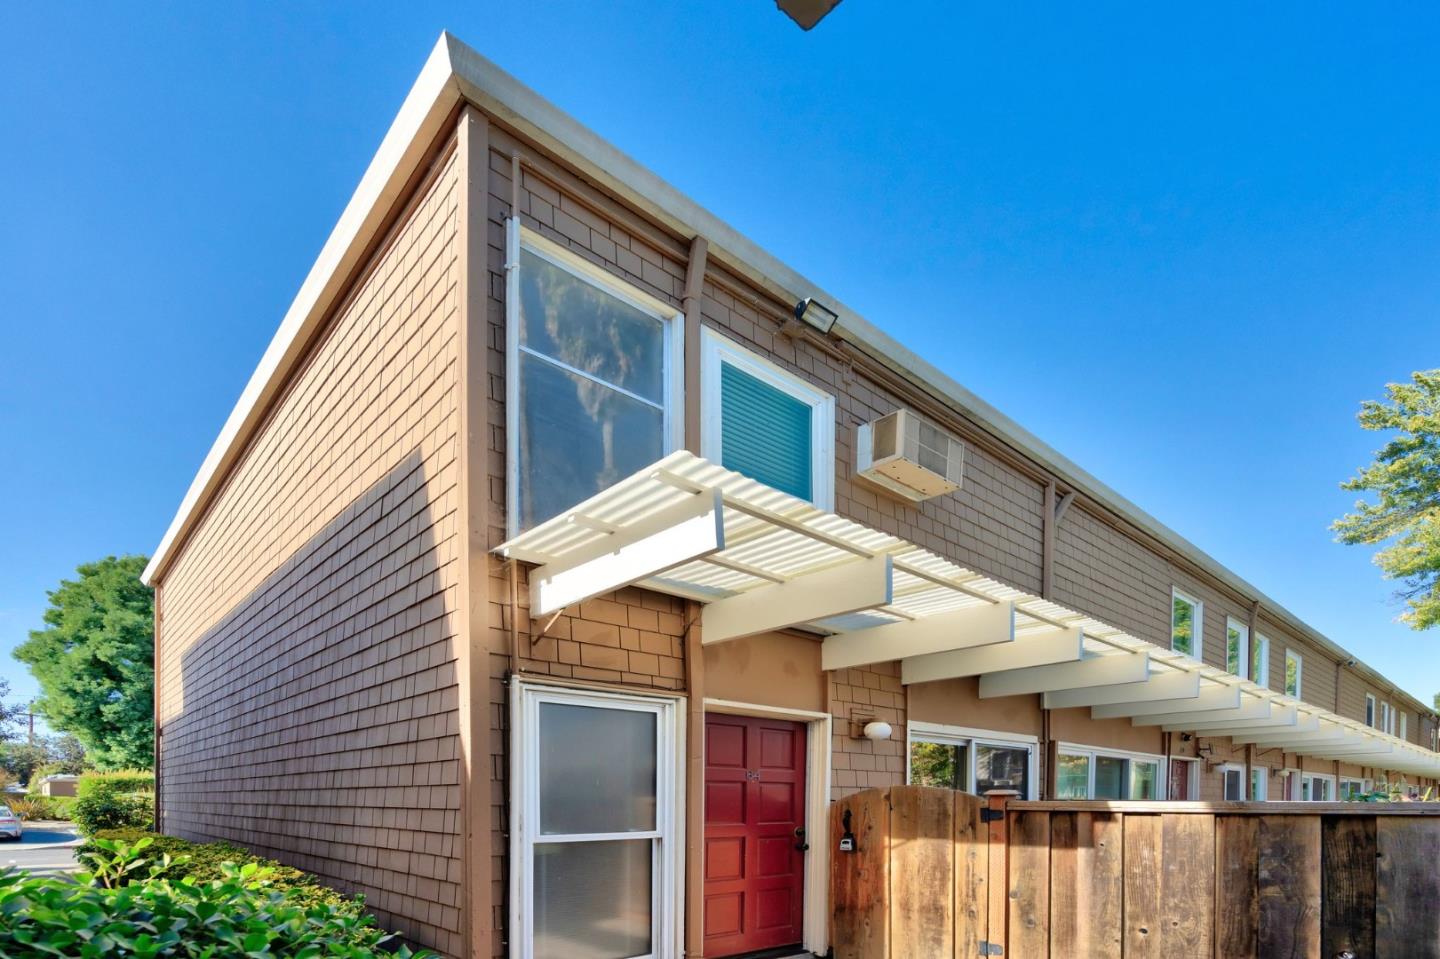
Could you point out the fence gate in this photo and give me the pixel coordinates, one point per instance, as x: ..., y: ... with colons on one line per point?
x: 926, y: 873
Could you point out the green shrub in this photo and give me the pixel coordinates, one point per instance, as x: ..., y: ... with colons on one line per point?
x: 120, y: 780
x: 128, y: 904
x: 205, y: 862
x: 106, y: 807
x: 36, y: 806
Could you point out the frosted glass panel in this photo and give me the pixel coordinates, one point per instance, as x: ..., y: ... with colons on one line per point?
x: 597, y: 770
x: 1143, y: 778
x: 592, y: 899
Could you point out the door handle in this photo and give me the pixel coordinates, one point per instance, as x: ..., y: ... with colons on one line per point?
x: 802, y: 845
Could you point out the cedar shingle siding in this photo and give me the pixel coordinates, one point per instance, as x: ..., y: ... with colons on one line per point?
x: 308, y: 691
x: 307, y: 687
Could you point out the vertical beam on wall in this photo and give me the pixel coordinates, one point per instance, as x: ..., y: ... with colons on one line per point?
x: 694, y: 782
x: 1047, y: 544
x: 694, y: 291
x: 155, y: 693
x: 472, y: 655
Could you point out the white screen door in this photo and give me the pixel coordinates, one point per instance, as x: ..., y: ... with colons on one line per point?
x: 595, y: 850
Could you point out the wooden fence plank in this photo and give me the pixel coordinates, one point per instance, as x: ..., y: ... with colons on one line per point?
x: 1187, y: 873
x: 1237, y: 890
x: 1142, y: 887
x: 1029, y: 883
x: 860, y: 880
x: 1085, y: 885
x: 1407, y: 889
x: 972, y: 873
x: 922, y: 872
x: 998, y: 847
x: 1347, y: 869
x: 1289, y: 886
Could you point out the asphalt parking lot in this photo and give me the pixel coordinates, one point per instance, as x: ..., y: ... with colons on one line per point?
x: 45, y: 847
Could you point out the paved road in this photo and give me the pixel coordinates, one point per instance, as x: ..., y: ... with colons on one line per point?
x: 45, y: 847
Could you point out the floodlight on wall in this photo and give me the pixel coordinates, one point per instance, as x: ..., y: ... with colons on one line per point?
x: 816, y: 315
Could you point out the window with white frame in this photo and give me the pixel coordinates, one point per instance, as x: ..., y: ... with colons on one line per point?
x: 1386, y: 719
x: 1404, y: 733
x: 1294, y: 666
x: 762, y: 421
x: 1260, y: 659
x: 594, y: 377
x: 1315, y: 787
x: 1370, y: 712
x: 1232, y: 778
x: 1237, y: 638
x: 594, y: 842
x: 1083, y: 772
x: 1351, y: 789
x: 1259, y: 783
x: 1186, y: 613
x: 971, y: 760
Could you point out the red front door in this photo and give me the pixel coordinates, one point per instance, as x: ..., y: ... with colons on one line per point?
x: 754, y: 826
x: 1179, y: 779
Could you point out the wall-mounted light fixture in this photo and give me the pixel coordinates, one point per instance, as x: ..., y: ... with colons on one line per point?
x: 868, y: 727
x: 816, y: 315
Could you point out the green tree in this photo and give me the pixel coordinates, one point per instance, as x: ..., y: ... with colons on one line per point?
x: 1405, y: 478
x: 10, y: 713
x: 93, y: 662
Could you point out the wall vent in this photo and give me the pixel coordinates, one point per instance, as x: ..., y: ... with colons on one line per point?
x: 909, y: 457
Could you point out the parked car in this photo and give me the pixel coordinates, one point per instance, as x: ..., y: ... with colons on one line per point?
x: 10, y: 827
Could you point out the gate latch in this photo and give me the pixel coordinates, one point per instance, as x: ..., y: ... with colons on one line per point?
x: 991, y: 948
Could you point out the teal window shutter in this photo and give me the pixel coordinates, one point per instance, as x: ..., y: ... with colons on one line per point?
x: 765, y: 432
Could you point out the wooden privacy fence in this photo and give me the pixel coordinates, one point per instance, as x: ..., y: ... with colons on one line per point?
x: 935, y: 874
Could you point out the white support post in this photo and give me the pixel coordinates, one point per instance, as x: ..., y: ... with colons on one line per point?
x: 984, y: 625
x: 1091, y: 671
x: 1157, y: 687
x: 863, y: 584
x: 686, y: 531
x: 1209, y: 698
x: 1039, y: 649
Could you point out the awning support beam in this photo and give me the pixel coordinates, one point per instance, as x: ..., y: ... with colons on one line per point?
x: 863, y: 584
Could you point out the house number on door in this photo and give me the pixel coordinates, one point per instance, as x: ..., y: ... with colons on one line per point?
x: 753, y: 775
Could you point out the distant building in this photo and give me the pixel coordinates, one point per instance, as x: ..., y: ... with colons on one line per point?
x: 61, y: 784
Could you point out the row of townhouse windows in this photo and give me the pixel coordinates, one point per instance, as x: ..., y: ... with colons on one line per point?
x: 1187, y: 617
x: 595, y: 385
x: 978, y: 760
x: 1382, y: 716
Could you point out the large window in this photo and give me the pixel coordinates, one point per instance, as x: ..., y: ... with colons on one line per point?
x: 1352, y: 789
x: 1259, y: 783
x: 1186, y: 613
x: 1086, y: 773
x: 1237, y: 637
x: 1294, y: 667
x: 1370, y: 712
x: 1260, y: 660
x: 593, y: 380
x: 973, y: 761
x: 766, y: 423
x: 1317, y: 788
x: 1232, y: 778
x: 594, y: 845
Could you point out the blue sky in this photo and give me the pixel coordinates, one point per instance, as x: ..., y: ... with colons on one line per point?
x: 1179, y: 245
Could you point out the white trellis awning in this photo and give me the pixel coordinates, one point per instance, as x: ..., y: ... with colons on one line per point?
x: 760, y: 560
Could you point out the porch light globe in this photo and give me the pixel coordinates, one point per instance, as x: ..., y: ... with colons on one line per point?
x: 877, y: 731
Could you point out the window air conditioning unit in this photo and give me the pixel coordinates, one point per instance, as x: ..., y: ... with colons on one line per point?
x: 909, y: 457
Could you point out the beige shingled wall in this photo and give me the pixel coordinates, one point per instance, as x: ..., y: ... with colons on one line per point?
x: 307, y: 685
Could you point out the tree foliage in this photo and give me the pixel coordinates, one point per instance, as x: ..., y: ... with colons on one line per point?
x: 46, y: 756
x: 1405, y: 478
x: 10, y: 714
x: 93, y: 662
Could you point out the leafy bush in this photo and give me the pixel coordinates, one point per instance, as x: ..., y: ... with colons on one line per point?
x: 107, y: 808
x: 119, y: 780
x: 36, y: 806
x: 129, y: 905
x: 205, y: 862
